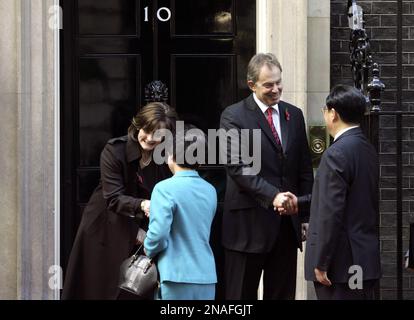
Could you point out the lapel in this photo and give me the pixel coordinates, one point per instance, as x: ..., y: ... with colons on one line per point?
x: 284, y: 125
x: 134, y: 177
x: 134, y: 172
x: 261, y: 120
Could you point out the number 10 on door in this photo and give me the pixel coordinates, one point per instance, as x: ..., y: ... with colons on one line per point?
x: 163, y: 14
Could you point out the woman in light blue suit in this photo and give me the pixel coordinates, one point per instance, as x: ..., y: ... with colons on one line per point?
x: 181, y: 213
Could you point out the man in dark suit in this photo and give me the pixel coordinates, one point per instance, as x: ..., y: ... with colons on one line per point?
x: 342, y: 251
x: 255, y: 237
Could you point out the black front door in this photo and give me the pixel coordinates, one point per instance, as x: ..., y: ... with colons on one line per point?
x: 111, y: 49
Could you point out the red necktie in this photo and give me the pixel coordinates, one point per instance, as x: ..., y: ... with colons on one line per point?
x: 272, y: 126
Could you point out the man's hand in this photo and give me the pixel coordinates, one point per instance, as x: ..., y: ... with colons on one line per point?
x: 279, y: 200
x: 145, y: 206
x: 322, y: 277
x: 286, y: 203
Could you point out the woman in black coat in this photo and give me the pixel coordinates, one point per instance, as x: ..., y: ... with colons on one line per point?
x: 118, y: 207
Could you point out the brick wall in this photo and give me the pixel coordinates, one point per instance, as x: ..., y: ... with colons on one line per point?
x: 381, y: 27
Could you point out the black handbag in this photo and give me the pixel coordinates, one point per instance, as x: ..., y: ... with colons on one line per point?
x: 139, y: 275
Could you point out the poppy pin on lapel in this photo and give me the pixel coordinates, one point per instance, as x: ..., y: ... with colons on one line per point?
x: 287, y: 115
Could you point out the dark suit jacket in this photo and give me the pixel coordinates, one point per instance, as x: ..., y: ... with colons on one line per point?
x: 249, y: 222
x: 344, y: 211
x: 110, y: 222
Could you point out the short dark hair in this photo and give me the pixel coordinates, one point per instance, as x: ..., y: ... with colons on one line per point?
x: 348, y: 101
x: 198, y: 140
x: 151, y: 117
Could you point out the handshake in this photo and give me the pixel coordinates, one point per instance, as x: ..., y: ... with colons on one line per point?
x: 286, y: 203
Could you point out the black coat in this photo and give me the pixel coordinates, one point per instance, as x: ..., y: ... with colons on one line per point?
x: 109, y: 224
x: 249, y: 222
x: 344, y: 211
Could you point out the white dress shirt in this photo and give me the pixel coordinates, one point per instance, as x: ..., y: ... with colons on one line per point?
x: 340, y: 132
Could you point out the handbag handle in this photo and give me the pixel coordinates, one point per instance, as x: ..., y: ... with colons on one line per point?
x: 136, y: 255
x: 140, y: 247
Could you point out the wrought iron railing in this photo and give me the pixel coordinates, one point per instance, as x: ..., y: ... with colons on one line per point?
x: 366, y: 78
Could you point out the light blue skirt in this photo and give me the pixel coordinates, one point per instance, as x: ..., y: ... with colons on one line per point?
x: 186, y: 291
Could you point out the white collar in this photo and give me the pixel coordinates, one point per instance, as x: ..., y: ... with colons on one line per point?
x: 341, y: 132
x: 264, y: 107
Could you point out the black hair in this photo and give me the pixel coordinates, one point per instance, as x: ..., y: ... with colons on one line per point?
x: 193, y: 138
x: 348, y: 101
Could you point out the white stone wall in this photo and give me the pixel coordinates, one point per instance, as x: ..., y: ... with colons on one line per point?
x: 28, y: 160
x: 8, y: 155
x: 282, y: 30
x: 298, y: 33
x: 319, y: 61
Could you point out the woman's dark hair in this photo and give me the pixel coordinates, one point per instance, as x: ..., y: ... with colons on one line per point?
x: 151, y: 117
x: 348, y: 101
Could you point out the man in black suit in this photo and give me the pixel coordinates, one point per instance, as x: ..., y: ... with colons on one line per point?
x: 342, y: 251
x: 255, y: 237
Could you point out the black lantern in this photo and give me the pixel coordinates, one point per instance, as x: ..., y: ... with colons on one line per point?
x: 365, y: 73
x: 375, y: 87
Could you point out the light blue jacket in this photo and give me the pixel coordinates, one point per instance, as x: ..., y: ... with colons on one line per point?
x: 181, y: 214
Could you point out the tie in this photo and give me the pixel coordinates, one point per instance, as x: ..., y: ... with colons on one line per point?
x: 272, y: 126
